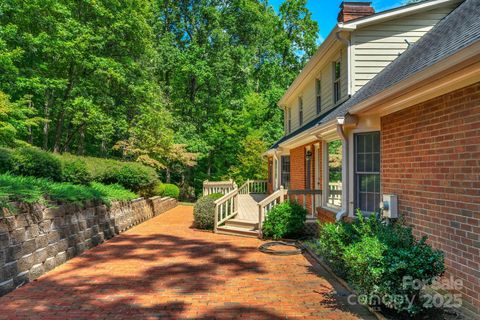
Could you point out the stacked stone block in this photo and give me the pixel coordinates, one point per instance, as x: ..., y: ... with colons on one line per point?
x: 37, y: 238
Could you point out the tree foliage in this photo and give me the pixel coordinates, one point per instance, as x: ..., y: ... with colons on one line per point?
x: 188, y: 86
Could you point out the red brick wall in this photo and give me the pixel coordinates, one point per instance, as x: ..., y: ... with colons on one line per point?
x: 431, y: 160
x: 325, y: 215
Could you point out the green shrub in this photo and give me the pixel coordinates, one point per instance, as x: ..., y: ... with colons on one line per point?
x: 376, y: 258
x: 131, y: 175
x: 285, y: 220
x: 167, y: 190
x: 159, y: 189
x: 38, y: 190
x: 204, y: 211
x: 331, y: 244
x: 75, y: 171
x: 29, y: 161
x: 6, y: 160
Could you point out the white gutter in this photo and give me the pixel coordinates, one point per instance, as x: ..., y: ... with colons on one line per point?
x: 344, y: 212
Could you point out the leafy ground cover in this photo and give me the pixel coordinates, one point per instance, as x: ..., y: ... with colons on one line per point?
x: 39, y: 190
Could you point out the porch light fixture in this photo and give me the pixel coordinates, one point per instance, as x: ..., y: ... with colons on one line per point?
x: 308, y: 155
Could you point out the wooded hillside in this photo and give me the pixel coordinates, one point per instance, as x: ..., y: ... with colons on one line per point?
x: 188, y: 87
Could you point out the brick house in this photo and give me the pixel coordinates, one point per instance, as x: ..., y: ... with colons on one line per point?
x: 390, y: 103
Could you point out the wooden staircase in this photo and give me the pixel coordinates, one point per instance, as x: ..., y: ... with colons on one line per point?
x: 241, y: 211
x: 239, y: 227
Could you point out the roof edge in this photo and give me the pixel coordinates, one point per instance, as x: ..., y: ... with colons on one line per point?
x: 394, y: 13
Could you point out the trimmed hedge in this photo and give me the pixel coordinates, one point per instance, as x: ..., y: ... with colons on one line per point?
x: 75, y: 171
x: 285, y: 220
x: 204, y: 211
x: 30, y: 161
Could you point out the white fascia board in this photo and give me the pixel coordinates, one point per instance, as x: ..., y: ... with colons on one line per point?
x: 394, y: 13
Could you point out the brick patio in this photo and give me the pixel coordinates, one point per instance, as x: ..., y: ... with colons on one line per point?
x: 164, y: 269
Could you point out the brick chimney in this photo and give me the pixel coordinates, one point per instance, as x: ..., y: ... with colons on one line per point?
x: 354, y: 10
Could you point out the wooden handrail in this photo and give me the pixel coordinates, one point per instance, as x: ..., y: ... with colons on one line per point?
x: 245, y: 188
x: 224, y: 187
x: 225, y: 208
x: 254, y: 186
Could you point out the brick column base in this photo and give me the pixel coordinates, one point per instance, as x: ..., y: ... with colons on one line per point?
x: 326, y: 215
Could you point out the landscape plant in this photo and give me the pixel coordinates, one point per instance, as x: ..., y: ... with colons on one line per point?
x: 376, y: 257
x: 285, y: 220
x: 38, y: 190
x: 167, y: 190
x: 204, y: 211
x: 29, y: 161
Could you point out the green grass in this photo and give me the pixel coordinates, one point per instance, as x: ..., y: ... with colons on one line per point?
x: 37, y: 190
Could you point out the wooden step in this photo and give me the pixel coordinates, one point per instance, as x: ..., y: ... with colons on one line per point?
x: 236, y: 231
x: 239, y: 223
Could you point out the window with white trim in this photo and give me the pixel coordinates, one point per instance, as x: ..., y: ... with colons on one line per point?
x: 289, y: 121
x: 337, y: 75
x: 285, y: 167
x: 318, y: 91
x: 300, y: 111
x: 367, y: 171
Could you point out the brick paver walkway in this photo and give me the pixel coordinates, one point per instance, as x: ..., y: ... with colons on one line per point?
x: 164, y: 269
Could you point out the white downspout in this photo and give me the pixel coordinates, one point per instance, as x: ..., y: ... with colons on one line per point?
x: 349, y: 62
x: 344, y: 212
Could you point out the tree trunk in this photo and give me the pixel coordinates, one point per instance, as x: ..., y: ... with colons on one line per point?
x: 59, y: 131
x: 167, y: 175
x: 46, y: 124
x: 81, y: 141
x: 61, y: 118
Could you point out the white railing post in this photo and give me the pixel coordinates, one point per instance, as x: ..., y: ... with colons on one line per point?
x: 215, y: 223
x: 260, y: 220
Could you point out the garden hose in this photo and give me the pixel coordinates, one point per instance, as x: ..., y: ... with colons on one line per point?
x: 265, y: 248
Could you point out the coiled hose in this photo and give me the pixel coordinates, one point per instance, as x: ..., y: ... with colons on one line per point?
x: 265, y: 248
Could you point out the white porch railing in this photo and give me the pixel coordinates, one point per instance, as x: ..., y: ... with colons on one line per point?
x: 268, y: 203
x: 308, y: 199
x: 253, y: 186
x: 225, y: 208
x: 335, y: 194
x: 223, y: 187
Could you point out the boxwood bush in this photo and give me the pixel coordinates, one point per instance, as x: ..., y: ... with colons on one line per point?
x: 132, y: 176
x: 167, y: 190
x: 376, y: 257
x: 204, y: 211
x: 285, y: 220
x: 30, y: 161
x: 75, y: 171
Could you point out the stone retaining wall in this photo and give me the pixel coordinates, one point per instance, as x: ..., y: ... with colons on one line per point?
x: 37, y: 238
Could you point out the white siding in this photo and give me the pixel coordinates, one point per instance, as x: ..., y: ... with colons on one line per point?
x: 325, y: 74
x: 374, y: 47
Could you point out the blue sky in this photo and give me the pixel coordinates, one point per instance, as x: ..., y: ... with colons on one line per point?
x: 325, y: 11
